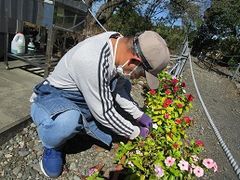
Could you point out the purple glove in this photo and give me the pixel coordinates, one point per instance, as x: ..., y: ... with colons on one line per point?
x: 143, y: 132
x: 145, y: 121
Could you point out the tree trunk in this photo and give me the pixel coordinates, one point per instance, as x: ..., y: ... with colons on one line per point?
x: 103, y: 14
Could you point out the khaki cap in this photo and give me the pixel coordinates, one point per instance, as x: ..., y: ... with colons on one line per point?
x: 154, y: 53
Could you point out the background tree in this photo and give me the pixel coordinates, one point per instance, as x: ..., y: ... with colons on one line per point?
x: 131, y: 16
x: 220, y: 30
x: 127, y: 21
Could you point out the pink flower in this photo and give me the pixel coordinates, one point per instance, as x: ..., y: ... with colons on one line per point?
x: 189, y: 97
x: 159, y: 171
x: 198, y: 171
x: 199, y: 143
x: 183, y: 165
x: 208, y: 163
x: 91, y: 171
x: 169, y: 161
x: 174, y: 81
x: 152, y: 91
x: 183, y: 84
x: 167, y: 102
x: 215, y: 167
x: 175, y: 145
x: 179, y: 105
x: 178, y: 121
x: 175, y: 89
x: 167, y: 116
x: 168, y: 91
x: 165, y: 86
x: 187, y: 119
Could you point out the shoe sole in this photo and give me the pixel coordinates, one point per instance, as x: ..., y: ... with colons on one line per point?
x: 41, y: 166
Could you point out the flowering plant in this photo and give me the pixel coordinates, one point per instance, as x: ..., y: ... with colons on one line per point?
x: 167, y: 152
x: 94, y: 173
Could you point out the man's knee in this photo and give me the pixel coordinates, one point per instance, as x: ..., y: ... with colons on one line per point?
x: 54, y: 131
x: 67, y: 125
x: 69, y: 122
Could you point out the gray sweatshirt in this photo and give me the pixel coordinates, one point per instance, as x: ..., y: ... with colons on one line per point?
x: 89, y: 67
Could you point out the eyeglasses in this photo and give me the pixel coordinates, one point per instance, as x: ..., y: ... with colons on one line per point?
x: 146, y: 66
x: 140, y: 69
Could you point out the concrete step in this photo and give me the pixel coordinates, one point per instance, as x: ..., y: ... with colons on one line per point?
x: 15, y: 90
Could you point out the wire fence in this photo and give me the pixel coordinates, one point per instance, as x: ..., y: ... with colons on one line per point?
x: 223, y: 67
x: 178, y: 62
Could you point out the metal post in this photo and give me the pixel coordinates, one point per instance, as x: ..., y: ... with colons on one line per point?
x: 236, y: 72
x: 176, y: 74
x: 6, y: 50
x: 64, y: 46
x: 75, y: 19
x: 182, y: 66
x: 183, y: 60
x: 49, y: 51
x: 6, y: 39
x: 43, y: 34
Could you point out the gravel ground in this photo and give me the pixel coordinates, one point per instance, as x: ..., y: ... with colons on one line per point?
x: 20, y: 156
x: 222, y: 99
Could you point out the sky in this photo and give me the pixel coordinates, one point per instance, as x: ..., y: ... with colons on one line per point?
x: 204, y: 5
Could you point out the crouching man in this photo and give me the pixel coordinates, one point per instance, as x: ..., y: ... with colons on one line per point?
x: 80, y: 95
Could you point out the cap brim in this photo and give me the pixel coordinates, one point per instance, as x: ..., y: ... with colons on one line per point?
x: 152, y: 80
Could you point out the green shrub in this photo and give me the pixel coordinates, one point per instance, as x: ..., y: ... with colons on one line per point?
x: 167, y: 152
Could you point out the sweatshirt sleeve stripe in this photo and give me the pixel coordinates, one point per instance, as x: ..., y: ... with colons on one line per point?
x: 106, y: 97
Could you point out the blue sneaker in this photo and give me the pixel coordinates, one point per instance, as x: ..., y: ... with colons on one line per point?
x: 52, y: 162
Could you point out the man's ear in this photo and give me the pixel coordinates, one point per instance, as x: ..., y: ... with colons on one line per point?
x: 135, y: 61
x: 136, y: 58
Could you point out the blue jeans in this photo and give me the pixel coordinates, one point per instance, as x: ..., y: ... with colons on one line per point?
x: 54, y: 132
x: 60, y: 114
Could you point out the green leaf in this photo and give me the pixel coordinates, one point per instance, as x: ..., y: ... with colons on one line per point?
x: 142, y: 177
x: 123, y: 149
x: 95, y: 176
x: 146, y: 153
x: 138, y: 163
x: 180, y: 110
x: 152, y: 177
x: 160, y: 155
x: 170, y: 109
x: 177, y: 154
x: 157, y: 118
x: 167, y: 129
x: 132, y: 177
x: 165, y: 177
x: 159, y: 123
x: 176, y: 115
x: 175, y: 172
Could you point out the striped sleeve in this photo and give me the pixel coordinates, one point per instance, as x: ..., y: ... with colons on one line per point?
x: 110, y: 117
x: 122, y: 95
